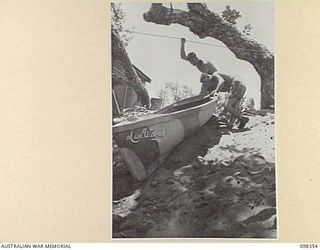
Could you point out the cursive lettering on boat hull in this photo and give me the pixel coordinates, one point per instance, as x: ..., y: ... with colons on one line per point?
x: 146, y: 133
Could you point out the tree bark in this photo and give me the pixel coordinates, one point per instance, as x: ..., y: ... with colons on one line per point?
x: 119, y: 52
x: 204, y: 23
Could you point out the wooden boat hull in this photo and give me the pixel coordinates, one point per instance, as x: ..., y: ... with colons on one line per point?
x: 145, y: 143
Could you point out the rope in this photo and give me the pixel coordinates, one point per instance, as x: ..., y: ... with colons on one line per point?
x: 190, y: 41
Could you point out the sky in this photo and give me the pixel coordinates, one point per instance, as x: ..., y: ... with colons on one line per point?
x: 159, y: 58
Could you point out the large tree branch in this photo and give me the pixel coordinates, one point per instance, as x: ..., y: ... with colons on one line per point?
x: 204, y: 23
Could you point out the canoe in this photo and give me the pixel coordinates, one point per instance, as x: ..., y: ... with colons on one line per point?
x: 146, y: 142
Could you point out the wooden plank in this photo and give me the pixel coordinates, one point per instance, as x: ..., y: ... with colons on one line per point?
x: 133, y: 162
x: 116, y: 102
x: 125, y: 97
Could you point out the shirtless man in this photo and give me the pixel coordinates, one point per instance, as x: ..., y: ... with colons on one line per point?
x: 204, y: 67
x: 215, y: 82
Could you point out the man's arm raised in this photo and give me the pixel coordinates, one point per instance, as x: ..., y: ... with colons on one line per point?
x: 182, y: 49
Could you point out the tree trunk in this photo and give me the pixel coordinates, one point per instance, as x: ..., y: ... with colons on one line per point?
x: 119, y: 51
x: 204, y: 23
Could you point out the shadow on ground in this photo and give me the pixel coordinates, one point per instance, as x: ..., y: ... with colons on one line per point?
x: 196, y: 145
x: 191, y: 197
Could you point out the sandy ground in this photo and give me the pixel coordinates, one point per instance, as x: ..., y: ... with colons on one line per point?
x: 219, y: 183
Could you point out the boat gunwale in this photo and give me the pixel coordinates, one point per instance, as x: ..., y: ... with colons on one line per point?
x: 158, y: 118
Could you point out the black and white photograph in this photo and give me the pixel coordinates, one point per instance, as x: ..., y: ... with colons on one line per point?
x: 193, y: 120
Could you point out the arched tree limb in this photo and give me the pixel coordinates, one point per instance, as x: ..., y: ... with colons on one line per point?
x: 204, y: 23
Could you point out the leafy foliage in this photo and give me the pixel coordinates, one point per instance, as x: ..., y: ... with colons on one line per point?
x: 173, y: 92
x: 117, y: 18
x: 247, y: 29
x: 231, y: 15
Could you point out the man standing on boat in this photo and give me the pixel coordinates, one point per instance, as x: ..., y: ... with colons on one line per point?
x: 214, y: 82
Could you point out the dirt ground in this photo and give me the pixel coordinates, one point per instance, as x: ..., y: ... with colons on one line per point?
x: 219, y: 183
